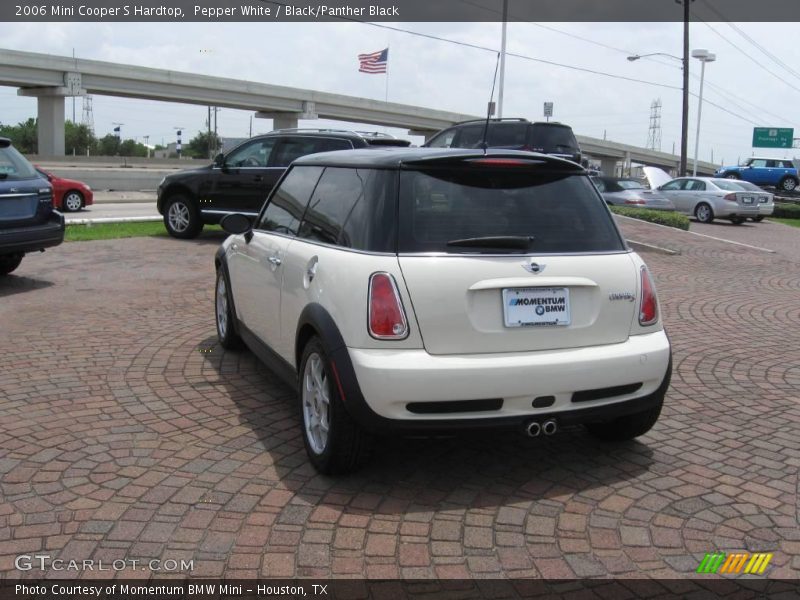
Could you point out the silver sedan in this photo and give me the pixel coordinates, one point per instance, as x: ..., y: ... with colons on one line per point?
x: 629, y: 192
x: 707, y: 198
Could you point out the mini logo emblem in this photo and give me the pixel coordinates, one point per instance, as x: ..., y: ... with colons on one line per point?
x: 629, y: 296
x: 534, y: 268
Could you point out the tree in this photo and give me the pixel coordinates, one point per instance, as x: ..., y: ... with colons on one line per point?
x: 23, y: 135
x: 78, y: 138
x: 203, y: 145
x: 132, y: 148
x: 108, y: 145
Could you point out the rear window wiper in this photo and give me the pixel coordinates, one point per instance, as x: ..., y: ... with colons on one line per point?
x: 518, y: 242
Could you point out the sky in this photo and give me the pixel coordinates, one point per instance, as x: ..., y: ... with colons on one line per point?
x: 744, y: 87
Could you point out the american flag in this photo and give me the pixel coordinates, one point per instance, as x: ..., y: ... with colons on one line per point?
x: 373, y: 63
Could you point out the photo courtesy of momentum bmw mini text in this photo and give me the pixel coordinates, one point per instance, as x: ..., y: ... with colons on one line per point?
x: 448, y: 300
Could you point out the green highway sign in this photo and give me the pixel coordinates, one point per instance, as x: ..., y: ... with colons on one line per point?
x: 772, y: 137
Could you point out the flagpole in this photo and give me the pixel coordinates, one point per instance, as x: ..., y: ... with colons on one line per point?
x: 386, y: 97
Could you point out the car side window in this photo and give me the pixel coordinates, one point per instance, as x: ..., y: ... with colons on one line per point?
x: 758, y: 163
x: 443, y: 140
x: 254, y: 154
x: 600, y: 184
x: 672, y: 186
x: 285, y: 208
x: 291, y: 148
x: 772, y: 164
x: 787, y: 164
x: 339, y: 196
x: 469, y: 136
x: 693, y: 185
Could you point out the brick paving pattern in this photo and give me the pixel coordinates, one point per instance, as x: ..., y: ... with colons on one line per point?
x: 126, y: 432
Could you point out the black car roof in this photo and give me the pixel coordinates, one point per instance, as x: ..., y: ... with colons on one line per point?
x: 395, y: 157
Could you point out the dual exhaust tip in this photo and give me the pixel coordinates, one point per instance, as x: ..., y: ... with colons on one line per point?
x: 535, y: 429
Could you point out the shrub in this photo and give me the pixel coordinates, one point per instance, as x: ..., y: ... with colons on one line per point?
x: 786, y: 210
x: 668, y: 218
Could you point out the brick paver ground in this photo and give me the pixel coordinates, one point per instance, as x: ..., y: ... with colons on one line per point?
x: 126, y: 432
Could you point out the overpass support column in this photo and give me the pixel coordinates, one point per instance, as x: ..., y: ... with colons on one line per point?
x: 609, y: 166
x: 50, y: 113
x: 288, y: 119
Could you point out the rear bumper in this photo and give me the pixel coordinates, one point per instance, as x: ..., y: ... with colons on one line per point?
x: 736, y: 210
x: 766, y: 209
x: 33, y: 238
x: 378, y: 385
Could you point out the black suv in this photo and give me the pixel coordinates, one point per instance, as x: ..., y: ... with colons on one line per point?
x: 239, y: 181
x: 551, y: 138
x: 28, y: 222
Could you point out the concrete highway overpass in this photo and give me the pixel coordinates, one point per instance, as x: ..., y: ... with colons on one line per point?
x: 52, y: 78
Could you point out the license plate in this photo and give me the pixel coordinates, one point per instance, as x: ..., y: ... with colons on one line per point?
x: 747, y: 200
x: 536, y: 307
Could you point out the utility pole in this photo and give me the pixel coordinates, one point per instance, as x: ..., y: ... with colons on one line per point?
x: 502, y: 60
x: 685, y: 113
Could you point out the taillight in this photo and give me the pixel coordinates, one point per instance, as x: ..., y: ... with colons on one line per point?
x: 387, y: 319
x: 730, y: 197
x: 648, y: 306
x: 636, y: 201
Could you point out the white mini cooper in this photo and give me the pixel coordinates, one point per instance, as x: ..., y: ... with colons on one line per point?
x: 428, y: 290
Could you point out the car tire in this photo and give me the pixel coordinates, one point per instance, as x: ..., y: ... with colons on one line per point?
x: 335, y: 443
x: 72, y: 201
x: 9, y: 262
x: 627, y: 427
x: 181, y: 218
x: 223, y: 313
x: 731, y: 176
x: 737, y: 220
x: 758, y: 219
x: 787, y: 184
x: 704, y: 213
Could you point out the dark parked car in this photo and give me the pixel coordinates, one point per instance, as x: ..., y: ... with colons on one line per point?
x: 28, y: 222
x: 555, y: 139
x: 239, y: 181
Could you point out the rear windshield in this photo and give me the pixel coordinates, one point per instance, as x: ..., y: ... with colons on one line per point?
x: 14, y: 166
x: 630, y: 184
x: 729, y: 185
x: 561, y: 213
x: 553, y: 138
x: 746, y: 185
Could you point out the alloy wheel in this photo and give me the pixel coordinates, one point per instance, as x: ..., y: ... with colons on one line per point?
x: 222, y: 306
x: 316, y: 403
x: 178, y: 216
x: 73, y: 201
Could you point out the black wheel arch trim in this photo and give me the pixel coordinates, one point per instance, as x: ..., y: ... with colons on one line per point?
x: 221, y: 263
x: 171, y: 190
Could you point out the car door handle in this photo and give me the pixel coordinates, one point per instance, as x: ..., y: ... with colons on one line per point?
x: 275, y: 260
x: 258, y: 179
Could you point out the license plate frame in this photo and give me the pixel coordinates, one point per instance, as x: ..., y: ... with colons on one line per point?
x: 539, y: 307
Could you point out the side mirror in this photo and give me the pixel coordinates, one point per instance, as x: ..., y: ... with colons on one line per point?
x: 236, y: 224
x: 219, y: 160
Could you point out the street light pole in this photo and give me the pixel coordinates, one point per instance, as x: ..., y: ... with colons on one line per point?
x: 685, y: 88
x: 704, y: 56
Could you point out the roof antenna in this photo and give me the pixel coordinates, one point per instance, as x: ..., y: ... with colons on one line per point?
x: 489, y: 110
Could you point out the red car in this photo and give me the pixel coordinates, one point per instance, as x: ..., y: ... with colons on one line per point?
x: 68, y: 195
